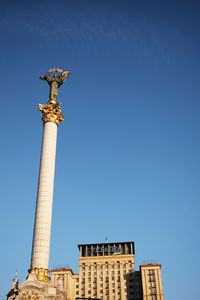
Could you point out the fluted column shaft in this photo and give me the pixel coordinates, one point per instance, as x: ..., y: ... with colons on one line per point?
x: 43, y: 215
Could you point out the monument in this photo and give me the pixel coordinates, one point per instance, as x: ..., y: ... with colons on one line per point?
x: 37, y: 285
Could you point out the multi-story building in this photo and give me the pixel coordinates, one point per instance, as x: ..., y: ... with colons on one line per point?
x: 151, y: 282
x: 107, y: 272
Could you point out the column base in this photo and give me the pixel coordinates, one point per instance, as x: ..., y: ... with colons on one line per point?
x: 41, y: 274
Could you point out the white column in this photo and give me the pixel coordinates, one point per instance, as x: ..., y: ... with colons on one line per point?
x: 42, y: 227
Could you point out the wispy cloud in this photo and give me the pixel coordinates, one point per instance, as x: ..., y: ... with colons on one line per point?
x: 81, y: 22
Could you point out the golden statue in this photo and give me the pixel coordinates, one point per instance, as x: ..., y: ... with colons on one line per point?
x: 55, y: 82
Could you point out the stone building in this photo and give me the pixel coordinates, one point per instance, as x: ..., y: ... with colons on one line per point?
x: 107, y: 272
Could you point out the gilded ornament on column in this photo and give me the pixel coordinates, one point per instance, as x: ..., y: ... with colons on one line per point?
x: 51, y: 113
x: 41, y: 274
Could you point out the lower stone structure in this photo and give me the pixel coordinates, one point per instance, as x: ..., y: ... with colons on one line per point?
x: 33, y: 289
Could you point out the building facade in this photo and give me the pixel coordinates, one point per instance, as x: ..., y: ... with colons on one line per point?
x: 107, y: 272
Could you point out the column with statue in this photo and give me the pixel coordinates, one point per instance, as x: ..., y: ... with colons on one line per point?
x: 38, y: 280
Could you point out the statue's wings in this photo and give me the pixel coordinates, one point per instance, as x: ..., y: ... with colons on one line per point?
x: 55, y: 70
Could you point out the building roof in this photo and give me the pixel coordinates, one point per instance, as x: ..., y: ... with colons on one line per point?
x: 97, y: 244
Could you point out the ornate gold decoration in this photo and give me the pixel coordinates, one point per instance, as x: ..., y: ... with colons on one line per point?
x: 51, y: 112
x: 41, y: 274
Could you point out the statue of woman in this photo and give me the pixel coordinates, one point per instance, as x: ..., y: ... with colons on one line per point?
x: 55, y: 82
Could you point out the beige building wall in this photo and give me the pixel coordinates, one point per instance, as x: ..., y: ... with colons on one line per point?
x: 69, y: 280
x: 151, y: 282
x: 111, y: 275
x: 103, y: 270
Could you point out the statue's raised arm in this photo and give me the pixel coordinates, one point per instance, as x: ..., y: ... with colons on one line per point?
x: 55, y: 82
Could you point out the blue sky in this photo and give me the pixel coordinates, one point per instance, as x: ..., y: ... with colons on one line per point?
x: 127, y: 164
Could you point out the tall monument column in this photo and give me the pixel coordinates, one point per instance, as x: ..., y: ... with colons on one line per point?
x: 52, y: 116
x: 42, y: 229
x: 37, y: 284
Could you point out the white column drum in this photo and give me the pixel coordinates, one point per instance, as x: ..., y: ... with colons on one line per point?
x: 42, y: 226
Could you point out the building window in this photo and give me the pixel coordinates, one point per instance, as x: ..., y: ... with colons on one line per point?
x: 77, y: 286
x: 95, y: 273
x: 113, y: 278
x: 113, y: 290
x: 151, y: 272
x: 132, y: 297
x: 89, y: 292
x: 101, y: 278
x: 101, y: 291
x: 76, y: 279
x: 89, y: 273
x: 118, y: 272
x: 76, y: 292
x: 151, y: 278
x: 153, y: 292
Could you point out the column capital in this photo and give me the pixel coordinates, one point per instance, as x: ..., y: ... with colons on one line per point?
x: 51, y: 112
